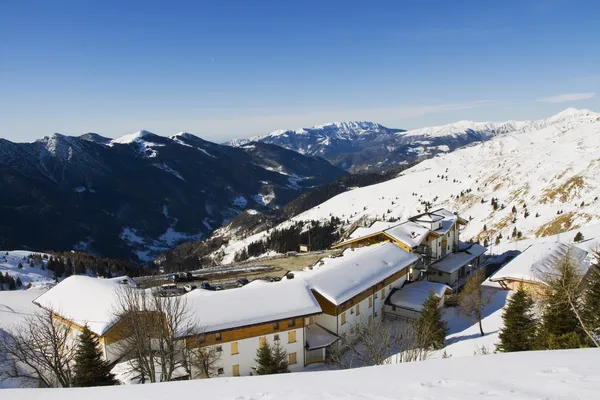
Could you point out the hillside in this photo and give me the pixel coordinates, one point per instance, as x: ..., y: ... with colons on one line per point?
x: 548, y: 170
x: 140, y: 194
x: 572, y: 374
x: 22, y: 265
x: 360, y: 145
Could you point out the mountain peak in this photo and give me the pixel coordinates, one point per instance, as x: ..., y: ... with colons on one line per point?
x: 96, y: 138
x: 574, y: 113
x: 184, y: 135
x: 133, y: 137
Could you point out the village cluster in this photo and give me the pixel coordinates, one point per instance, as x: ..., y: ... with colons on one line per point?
x: 386, y: 271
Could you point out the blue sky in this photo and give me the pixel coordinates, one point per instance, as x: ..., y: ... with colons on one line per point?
x: 228, y: 69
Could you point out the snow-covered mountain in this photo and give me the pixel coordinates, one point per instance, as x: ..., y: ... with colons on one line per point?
x: 359, y: 145
x: 141, y: 193
x: 548, y: 170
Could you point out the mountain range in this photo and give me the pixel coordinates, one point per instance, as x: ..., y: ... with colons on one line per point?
x: 140, y: 194
x: 539, y: 179
x: 360, y: 146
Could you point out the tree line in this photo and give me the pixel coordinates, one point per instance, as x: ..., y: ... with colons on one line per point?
x: 319, y: 236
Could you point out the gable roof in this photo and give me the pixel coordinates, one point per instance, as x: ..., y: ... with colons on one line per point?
x: 85, y: 300
x: 539, y: 259
x: 339, y: 279
x: 256, y: 303
x: 376, y: 227
x: 410, y: 233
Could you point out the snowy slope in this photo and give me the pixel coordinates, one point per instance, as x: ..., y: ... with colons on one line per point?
x: 460, y: 127
x: 550, y: 166
x: 38, y: 277
x: 567, y: 374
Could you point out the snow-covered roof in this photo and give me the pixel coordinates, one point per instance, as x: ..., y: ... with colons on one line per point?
x: 318, y: 337
x: 257, y: 302
x: 339, y: 279
x: 83, y: 299
x: 377, y: 226
x: 409, y: 233
x: 412, y: 296
x: 539, y: 259
x: 428, y: 217
x: 452, y: 262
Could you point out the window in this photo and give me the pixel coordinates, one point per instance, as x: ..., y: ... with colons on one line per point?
x: 393, y: 308
x: 276, y: 337
x: 311, y: 320
x: 390, y: 288
x: 219, y: 348
x: 236, y: 370
x: 383, y: 293
x: 343, y: 318
x: 220, y: 371
x: 218, y: 336
x: 375, y: 294
x: 291, y: 322
x: 292, y: 358
x: 262, y: 341
x: 234, y: 348
x: 358, y: 309
x: 370, y: 302
x: 292, y: 337
x: 440, y: 273
x: 275, y: 325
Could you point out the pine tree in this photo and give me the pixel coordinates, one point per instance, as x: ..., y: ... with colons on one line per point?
x: 12, y: 285
x: 90, y: 369
x: 280, y: 358
x: 80, y: 268
x: 18, y: 283
x: 264, y: 360
x: 559, y: 321
x: 431, y: 328
x: 520, y: 326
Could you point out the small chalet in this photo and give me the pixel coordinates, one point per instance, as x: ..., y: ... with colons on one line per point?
x: 528, y: 268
